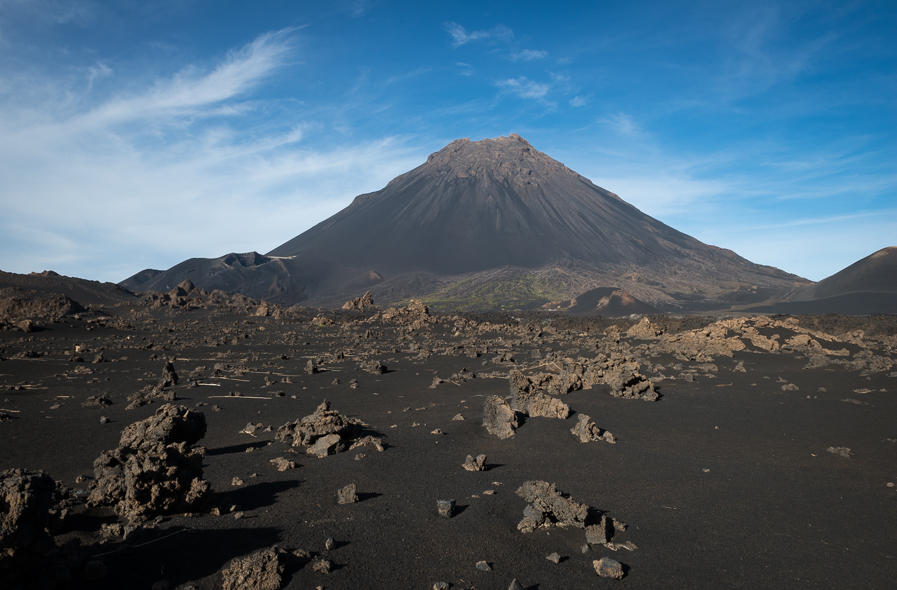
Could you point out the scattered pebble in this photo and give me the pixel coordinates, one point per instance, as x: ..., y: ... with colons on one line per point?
x: 483, y: 566
x: 840, y: 451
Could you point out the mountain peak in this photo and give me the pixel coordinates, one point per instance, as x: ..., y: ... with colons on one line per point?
x: 504, y: 158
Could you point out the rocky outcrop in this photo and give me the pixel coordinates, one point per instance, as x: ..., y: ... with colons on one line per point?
x: 154, y: 470
x: 262, y: 570
x: 325, y: 432
x: 547, y: 507
x: 362, y: 303
x: 526, y: 398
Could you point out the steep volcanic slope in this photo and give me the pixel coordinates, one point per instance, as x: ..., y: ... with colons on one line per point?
x: 489, y: 223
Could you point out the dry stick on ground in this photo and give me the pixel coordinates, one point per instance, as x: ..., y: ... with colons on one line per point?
x: 209, y: 384
x: 13, y: 411
x: 231, y: 379
x: 147, y: 543
x: 240, y: 397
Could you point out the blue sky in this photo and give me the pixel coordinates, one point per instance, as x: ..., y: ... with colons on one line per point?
x: 139, y: 134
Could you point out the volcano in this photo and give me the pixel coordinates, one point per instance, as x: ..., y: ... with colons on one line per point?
x: 490, y: 224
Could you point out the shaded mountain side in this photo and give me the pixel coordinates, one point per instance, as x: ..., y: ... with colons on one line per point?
x: 251, y: 274
x: 83, y: 291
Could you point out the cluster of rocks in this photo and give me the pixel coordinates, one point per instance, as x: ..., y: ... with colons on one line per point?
x: 362, y: 303
x: 264, y: 569
x: 22, y: 310
x: 161, y: 390
x: 416, y: 315
x: 547, y: 507
x: 326, y: 432
x: 528, y: 398
x: 155, y: 470
x: 372, y: 366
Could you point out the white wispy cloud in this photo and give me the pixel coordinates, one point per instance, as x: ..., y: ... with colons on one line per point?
x: 524, y: 87
x: 189, y: 89
x: 97, y: 72
x: 529, y: 55
x: 461, y: 36
x: 101, y: 192
x: 761, y: 52
x: 624, y: 125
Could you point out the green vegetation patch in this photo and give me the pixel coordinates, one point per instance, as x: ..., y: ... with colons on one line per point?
x: 522, y: 292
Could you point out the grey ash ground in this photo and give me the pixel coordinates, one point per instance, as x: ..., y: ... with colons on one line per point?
x: 766, y: 460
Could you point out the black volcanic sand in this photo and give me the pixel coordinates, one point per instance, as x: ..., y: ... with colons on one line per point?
x: 725, y: 482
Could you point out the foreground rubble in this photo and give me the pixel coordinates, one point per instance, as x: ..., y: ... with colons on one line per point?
x: 228, y: 366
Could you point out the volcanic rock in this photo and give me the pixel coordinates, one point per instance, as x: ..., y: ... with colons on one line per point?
x: 608, y: 568
x: 362, y: 303
x: 25, y: 501
x: 585, y: 430
x: 527, y: 399
x: 261, y: 570
x: 498, y: 417
x: 445, y: 508
x: 309, y: 429
x: 478, y: 464
x: 154, y: 471
x: 548, y: 506
x: 347, y: 495
x: 169, y: 378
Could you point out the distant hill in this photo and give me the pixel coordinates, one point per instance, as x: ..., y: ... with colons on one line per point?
x: 83, y: 291
x: 868, y: 286
x: 251, y: 274
x: 483, y: 225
